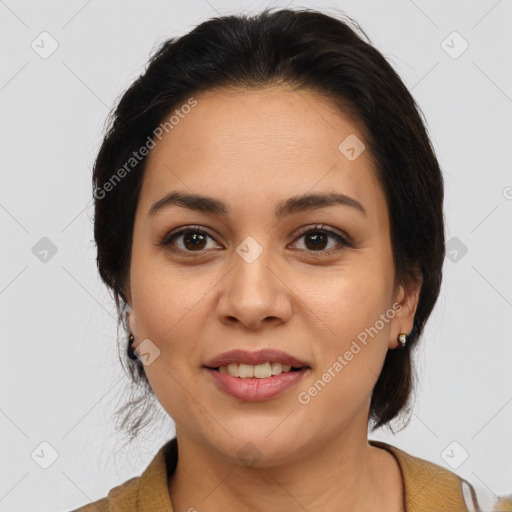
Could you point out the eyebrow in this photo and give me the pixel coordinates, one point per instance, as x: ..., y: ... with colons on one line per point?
x: 289, y: 206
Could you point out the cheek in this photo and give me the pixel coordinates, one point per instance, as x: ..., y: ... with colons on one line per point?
x: 351, y: 351
x: 346, y: 308
x: 169, y: 309
x: 168, y: 313
x: 349, y: 299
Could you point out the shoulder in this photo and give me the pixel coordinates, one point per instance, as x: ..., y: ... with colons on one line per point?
x: 429, y: 486
x: 145, y: 492
x: 121, y: 497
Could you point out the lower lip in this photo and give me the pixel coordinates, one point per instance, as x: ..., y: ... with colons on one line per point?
x: 254, y: 389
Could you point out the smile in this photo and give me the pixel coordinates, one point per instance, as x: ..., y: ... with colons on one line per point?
x: 259, y: 371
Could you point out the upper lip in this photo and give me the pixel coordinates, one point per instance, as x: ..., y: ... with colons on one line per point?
x: 258, y: 357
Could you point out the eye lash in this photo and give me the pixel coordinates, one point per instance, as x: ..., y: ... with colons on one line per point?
x: 344, y: 239
x: 166, y: 240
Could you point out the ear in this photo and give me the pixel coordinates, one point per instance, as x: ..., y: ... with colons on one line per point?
x: 405, y: 305
x: 131, y: 322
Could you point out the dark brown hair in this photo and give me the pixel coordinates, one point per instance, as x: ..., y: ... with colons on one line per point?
x: 308, y: 50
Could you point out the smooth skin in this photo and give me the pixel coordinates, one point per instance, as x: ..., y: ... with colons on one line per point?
x: 252, y: 149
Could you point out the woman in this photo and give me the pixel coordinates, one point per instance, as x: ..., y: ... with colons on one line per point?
x: 269, y: 217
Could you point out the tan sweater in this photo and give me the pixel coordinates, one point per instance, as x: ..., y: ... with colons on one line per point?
x: 428, y: 487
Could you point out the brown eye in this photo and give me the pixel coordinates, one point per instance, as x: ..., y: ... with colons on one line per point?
x: 194, y: 240
x: 317, y: 240
x: 190, y: 239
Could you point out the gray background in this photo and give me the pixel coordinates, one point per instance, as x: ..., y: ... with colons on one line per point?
x: 60, y: 377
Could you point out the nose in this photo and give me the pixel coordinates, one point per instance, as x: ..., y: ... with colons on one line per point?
x: 255, y: 293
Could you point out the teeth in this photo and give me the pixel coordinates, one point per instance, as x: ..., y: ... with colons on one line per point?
x: 233, y: 370
x: 245, y: 370
x: 276, y: 368
x: 260, y: 371
x: 263, y: 371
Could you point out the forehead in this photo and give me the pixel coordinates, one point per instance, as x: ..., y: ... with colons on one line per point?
x: 270, y: 143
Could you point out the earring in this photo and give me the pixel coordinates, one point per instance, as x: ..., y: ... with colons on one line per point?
x: 402, y: 338
x: 131, y: 352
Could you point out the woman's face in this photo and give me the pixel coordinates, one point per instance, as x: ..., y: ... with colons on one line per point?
x: 268, y: 270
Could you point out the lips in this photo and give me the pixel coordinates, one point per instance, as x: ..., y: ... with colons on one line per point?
x: 257, y: 390
x: 254, y: 358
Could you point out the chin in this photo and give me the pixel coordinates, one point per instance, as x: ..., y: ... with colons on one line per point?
x: 258, y: 449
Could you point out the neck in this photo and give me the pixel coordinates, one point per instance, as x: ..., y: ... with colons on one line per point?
x: 331, y: 476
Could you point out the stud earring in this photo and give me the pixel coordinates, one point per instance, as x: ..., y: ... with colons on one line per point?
x: 402, y: 338
x: 131, y: 352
